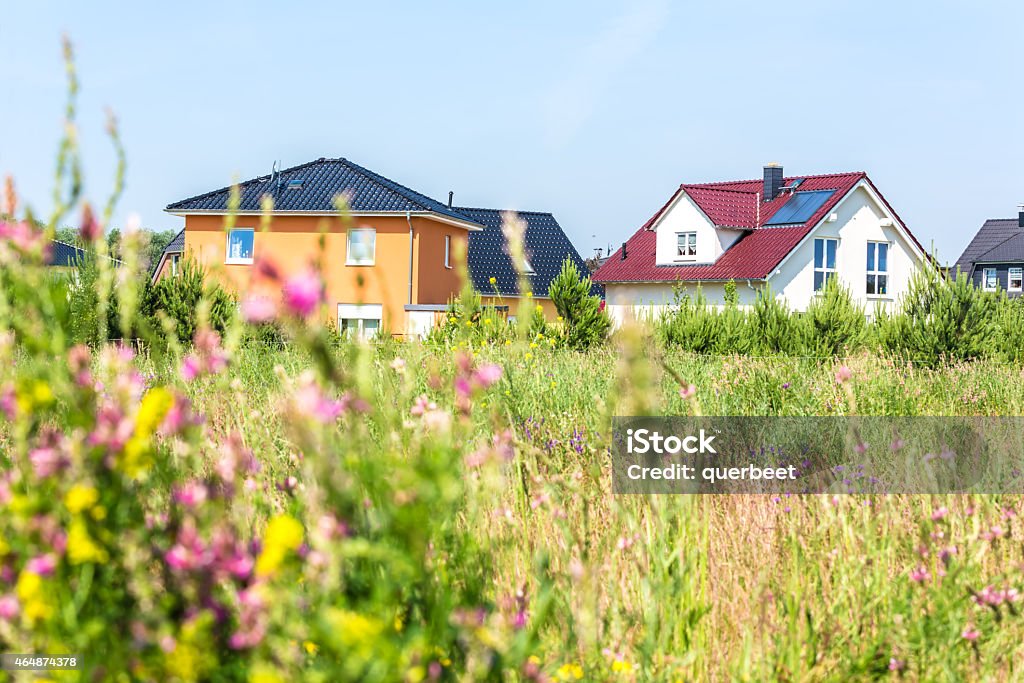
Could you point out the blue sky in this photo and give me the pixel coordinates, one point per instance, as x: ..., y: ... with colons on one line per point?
x: 595, y: 111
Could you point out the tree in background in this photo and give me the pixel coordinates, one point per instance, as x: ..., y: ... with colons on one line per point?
x: 833, y: 324
x: 585, y: 322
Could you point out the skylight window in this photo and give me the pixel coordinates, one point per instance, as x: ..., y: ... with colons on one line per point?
x: 800, y: 207
x: 295, y: 184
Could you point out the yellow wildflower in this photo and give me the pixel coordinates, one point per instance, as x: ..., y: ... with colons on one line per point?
x: 155, y: 405
x: 81, y: 497
x: 354, y: 632
x: 262, y: 673
x: 283, y: 534
x: 540, y: 309
x: 36, y: 395
x: 310, y: 647
x: 621, y: 666
x: 493, y: 280
x: 81, y: 547
x: 528, y: 356
x: 570, y: 672
x: 33, y: 597
x: 529, y: 294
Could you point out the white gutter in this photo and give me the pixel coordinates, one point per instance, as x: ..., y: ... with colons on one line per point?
x: 408, y: 218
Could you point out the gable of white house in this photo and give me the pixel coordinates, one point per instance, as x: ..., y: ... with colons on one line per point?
x: 683, y: 217
x: 860, y: 218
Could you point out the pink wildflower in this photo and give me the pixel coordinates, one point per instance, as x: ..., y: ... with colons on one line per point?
x: 8, y: 607
x: 940, y: 513
x: 190, y: 367
x: 843, y: 375
x: 258, y: 309
x: 43, y: 565
x: 688, y: 392
x: 398, y: 365
x: 191, y: 494
x: 919, y: 575
x: 970, y: 634
x: 89, y: 229
x: 303, y: 292
x: 488, y: 374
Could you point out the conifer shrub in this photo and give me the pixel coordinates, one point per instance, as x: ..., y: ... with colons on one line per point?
x: 690, y: 324
x: 833, y: 324
x: 773, y: 327
x: 585, y: 323
x: 177, y: 299
x: 940, y: 320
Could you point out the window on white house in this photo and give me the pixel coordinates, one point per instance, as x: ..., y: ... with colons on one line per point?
x: 824, y: 261
x: 527, y: 266
x: 447, y: 251
x: 1016, y: 280
x: 362, y: 247
x: 239, y: 245
x: 990, y: 279
x: 686, y: 245
x: 359, y: 321
x: 878, y: 268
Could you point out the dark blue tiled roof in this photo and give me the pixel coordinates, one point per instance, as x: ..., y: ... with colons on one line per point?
x: 988, y: 244
x: 546, y: 248
x: 177, y: 245
x: 317, y: 183
x: 64, y: 254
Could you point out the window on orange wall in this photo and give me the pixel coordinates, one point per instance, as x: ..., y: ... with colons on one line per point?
x: 447, y: 251
x: 239, y: 245
x: 362, y: 247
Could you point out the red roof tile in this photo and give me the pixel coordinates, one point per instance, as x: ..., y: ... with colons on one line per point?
x: 735, y: 205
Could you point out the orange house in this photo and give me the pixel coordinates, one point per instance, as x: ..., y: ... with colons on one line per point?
x: 390, y: 267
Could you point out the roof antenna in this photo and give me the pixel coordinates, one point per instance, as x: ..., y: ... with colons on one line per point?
x: 273, y: 177
x: 451, y: 196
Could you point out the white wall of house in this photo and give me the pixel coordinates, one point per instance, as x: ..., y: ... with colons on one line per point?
x: 682, y: 216
x: 860, y: 218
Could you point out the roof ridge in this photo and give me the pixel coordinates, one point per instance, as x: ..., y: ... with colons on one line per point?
x: 515, y: 211
x: 795, y: 177
x: 710, y: 186
x: 367, y: 173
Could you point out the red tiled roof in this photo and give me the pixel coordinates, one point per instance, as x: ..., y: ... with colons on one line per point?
x: 733, y: 205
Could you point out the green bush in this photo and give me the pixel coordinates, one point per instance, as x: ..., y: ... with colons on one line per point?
x: 690, y: 324
x: 178, y: 300
x: 584, y: 320
x: 833, y: 325
x: 940, y: 319
x: 773, y: 327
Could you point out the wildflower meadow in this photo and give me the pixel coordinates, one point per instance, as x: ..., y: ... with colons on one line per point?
x: 250, y: 497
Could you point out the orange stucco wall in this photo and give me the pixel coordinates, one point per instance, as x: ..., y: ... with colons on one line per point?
x: 294, y: 243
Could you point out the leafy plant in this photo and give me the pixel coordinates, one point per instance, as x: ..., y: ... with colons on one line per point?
x: 184, y: 298
x: 833, y: 325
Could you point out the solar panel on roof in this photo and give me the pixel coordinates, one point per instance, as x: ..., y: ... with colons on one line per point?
x: 800, y: 207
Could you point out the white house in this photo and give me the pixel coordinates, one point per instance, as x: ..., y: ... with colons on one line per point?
x: 791, y: 234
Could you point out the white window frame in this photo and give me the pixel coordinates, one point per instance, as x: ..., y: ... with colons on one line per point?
x: 824, y: 269
x: 876, y: 273
x: 175, y: 260
x: 356, y: 316
x: 228, y: 259
x: 527, y: 266
x: 349, y: 260
x: 447, y: 251
x: 984, y: 279
x: 1019, y: 277
x: 686, y: 243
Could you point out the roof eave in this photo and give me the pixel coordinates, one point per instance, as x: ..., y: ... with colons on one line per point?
x: 469, y: 225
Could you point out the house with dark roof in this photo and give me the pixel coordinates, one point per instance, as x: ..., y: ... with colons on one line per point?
x: 388, y: 259
x: 994, y: 259
x: 789, y: 233
x: 546, y: 247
